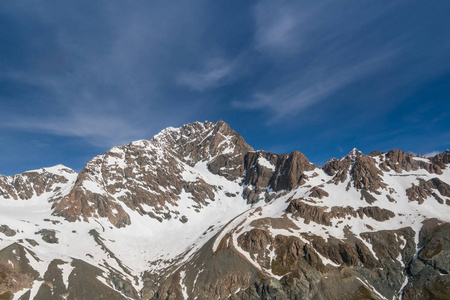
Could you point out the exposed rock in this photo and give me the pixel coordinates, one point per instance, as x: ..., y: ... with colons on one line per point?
x: 390, y: 198
x: 81, y: 204
x: 293, y: 254
x: 122, y: 285
x: 84, y: 283
x: 376, y: 213
x: 287, y: 172
x: 442, y: 159
x: 16, y: 272
x: 291, y: 171
x: 48, y: 235
x: 309, y: 213
x: 275, y: 223
x: 53, y: 286
x: 398, y: 161
x: 7, y: 296
x: 7, y: 231
x: 376, y: 153
x: 34, y: 183
x: 353, y: 155
x: 229, y: 163
x: 321, y: 215
x: 258, y: 177
x: 366, y: 175
x: 317, y: 192
x: 337, y: 168
x: 429, y: 271
x: 258, y: 243
x: 365, y: 195
x: 221, y: 275
x: 425, y: 189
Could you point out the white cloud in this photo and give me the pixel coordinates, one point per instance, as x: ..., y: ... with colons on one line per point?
x: 283, y: 27
x: 216, y: 72
x: 432, y: 153
x: 97, y: 129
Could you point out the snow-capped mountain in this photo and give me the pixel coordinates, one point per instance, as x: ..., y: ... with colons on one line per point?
x: 196, y: 213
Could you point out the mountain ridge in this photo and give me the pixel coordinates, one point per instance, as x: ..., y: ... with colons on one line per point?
x: 162, y: 218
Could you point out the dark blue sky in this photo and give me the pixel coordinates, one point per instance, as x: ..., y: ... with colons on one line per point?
x: 321, y: 77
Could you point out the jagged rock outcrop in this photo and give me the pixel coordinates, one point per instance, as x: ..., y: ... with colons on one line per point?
x: 429, y: 269
x: 35, y: 183
x: 322, y: 215
x: 399, y: 161
x: 366, y: 175
x: 428, y: 188
x: 317, y: 192
x: 268, y: 173
x: 338, y: 169
x: 441, y: 159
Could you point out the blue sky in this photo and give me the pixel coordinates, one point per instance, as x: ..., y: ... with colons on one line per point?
x: 321, y: 77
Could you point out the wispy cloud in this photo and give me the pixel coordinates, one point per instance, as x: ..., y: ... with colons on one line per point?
x: 314, y: 86
x: 282, y: 27
x: 215, y: 72
x: 98, y: 79
x: 325, y: 47
x: 431, y: 154
x: 95, y: 128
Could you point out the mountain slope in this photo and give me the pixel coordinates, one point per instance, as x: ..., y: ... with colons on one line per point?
x: 195, y: 212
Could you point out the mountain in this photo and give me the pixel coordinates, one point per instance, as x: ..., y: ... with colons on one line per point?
x: 197, y: 213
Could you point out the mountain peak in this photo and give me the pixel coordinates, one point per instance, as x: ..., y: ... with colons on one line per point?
x: 353, y: 154
x: 156, y: 173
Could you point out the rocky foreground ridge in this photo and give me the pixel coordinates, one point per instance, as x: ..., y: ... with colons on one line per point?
x: 196, y: 213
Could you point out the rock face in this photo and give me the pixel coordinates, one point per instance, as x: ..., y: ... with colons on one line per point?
x: 429, y: 269
x: 428, y: 188
x: 197, y: 213
x: 16, y: 272
x: 398, y: 160
x: 268, y: 173
x: 44, y: 182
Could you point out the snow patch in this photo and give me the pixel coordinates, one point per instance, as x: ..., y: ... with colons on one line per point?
x: 265, y: 163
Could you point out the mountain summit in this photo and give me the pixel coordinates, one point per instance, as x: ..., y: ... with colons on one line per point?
x: 197, y: 213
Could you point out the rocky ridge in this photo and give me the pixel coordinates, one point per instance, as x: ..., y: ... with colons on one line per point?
x: 195, y: 212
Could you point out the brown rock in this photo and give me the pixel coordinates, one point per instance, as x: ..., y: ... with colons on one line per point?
x: 365, y: 174
x: 290, y: 252
x: 337, y: 168
x: 376, y: 213
x: 16, y: 272
x: 288, y: 173
x: 425, y: 189
x: 398, y: 161
x: 317, y: 192
x: 309, y: 213
x: 32, y: 183
x: 442, y: 159
x: 257, y: 242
